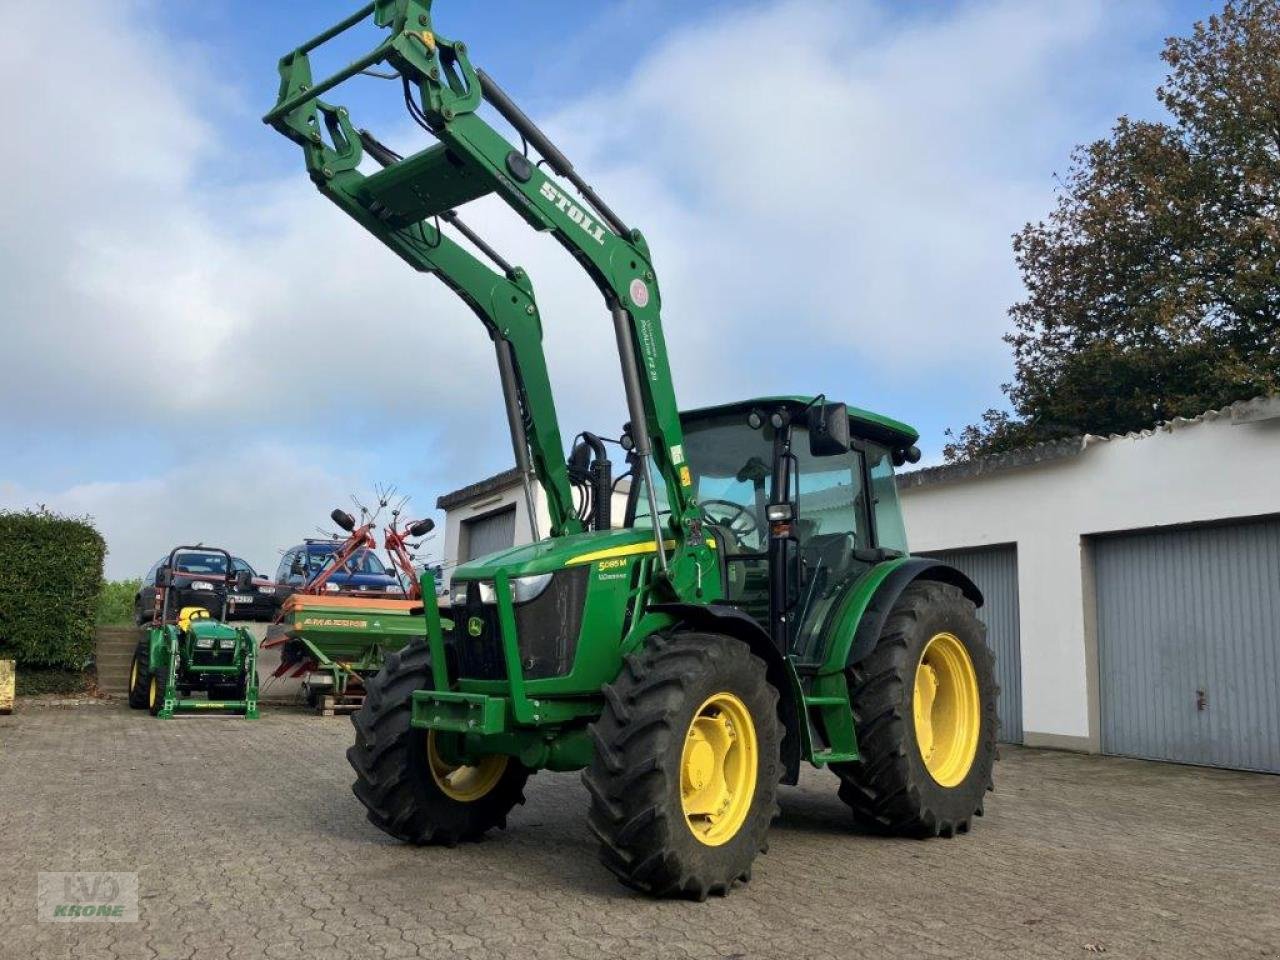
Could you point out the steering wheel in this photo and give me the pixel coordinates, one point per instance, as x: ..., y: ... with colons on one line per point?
x: 739, y: 521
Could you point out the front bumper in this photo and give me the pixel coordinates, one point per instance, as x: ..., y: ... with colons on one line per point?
x: 458, y: 712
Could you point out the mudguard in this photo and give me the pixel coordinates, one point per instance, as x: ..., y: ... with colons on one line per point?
x: 875, y: 610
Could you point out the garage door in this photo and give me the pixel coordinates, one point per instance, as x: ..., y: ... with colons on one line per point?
x: 490, y: 533
x: 995, y: 571
x: 1189, y: 644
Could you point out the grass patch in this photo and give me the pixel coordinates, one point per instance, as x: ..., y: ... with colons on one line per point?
x: 115, y: 603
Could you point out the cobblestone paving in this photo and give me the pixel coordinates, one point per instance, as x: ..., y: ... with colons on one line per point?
x: 248, y: 843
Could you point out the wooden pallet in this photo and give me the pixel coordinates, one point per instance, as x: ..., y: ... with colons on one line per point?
x: 331, y: 706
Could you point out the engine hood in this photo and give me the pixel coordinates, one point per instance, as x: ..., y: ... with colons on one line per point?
x: 546, y: 556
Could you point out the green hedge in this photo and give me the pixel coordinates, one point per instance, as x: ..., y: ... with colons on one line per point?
x: 50, y: 579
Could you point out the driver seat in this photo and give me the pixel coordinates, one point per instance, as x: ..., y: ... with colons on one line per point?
x: 187, y: 614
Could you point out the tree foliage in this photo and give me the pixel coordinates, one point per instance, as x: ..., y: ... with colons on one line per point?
x: 1153, y: 288
x: 50, y: 579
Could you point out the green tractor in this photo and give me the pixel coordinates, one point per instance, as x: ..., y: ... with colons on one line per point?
x: 187, y: 650
x: 756, y: 610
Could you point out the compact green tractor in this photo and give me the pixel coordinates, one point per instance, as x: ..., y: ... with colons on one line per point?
x: 756, y: 610
x: 188, y: 650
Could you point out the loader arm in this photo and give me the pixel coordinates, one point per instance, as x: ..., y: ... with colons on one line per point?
x: 503, y: 301
x: 400, y: 204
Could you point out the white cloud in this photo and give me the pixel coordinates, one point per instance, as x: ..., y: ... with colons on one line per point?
x: 254, y: 502
x: 836, y: 179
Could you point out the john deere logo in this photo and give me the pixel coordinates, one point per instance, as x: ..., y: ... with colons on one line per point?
x: 475, y: 626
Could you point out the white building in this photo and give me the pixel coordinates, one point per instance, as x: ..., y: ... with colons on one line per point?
x: 1132, y: 583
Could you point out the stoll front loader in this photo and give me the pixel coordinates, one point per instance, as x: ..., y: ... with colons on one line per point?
x: 188, y: 650
x: 758, y: 610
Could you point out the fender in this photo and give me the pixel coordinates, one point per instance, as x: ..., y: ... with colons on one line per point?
x: 873, y: 611
x: 719, y: 618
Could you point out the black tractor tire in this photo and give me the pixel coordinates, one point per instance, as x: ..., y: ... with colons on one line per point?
x: 139, y: 676
x: 394, y: 778
x: 159, y: 678
x: 890, y: 789
x: 635, y: 777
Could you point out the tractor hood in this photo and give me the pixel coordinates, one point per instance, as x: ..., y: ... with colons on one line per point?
x: 547, y: 556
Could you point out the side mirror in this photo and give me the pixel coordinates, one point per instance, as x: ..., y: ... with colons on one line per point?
x: 422, y: 527
x: 343, y: 519
x: 244, y: 580
x: 829, y: 430
x: 163, y: 577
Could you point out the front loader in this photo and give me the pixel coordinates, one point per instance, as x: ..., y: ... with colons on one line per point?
x: 189, y: 650
x: 757, y: 610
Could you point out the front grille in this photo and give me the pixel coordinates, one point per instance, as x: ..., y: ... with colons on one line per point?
x: 548, y: 625
x: 213, y: 658
x: 478, y: 640
x: 546, y: 631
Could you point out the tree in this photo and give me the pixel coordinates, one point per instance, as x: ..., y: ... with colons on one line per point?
x: 1153, y: 289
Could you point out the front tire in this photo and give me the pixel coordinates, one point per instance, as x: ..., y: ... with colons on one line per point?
x: 687, y: 761
x: 924, y: 701
x: 407, y: 786
x: 139, y: 676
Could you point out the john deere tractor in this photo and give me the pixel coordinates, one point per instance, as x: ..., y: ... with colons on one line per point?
x: 755, y: 609
x: 188, y: 650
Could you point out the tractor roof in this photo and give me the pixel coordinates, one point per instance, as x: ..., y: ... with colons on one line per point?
x: 863, y: 423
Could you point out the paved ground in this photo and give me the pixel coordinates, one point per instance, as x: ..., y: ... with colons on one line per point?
x: 248, y: 844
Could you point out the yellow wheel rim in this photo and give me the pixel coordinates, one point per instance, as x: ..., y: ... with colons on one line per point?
x: 462, y: 782
x: 152, y: 693
x: 718, y: 769
x: 133, y: 674
x: 947, y: 708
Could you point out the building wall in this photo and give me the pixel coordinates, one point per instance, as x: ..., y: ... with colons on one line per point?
x: 1189, y: 472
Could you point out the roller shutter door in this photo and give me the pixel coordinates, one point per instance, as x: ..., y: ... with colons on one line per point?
x: 1189, y: 644
x: 490, y: 533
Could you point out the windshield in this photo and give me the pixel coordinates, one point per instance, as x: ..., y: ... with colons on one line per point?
x: 212, y: 563
x: 732, y: 482
x: 362, y: 562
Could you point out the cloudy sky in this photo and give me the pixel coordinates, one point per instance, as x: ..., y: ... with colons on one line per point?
x: 197, y: 346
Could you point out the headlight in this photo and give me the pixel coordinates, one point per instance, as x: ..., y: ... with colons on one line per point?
x: 332, y: 587
x: 267, y: 590
x: 204, y: 643
x: 201, y: 585
x: 395, y: 588
x: 524, y: 589
x: 227, y: 643
x: 458, y: 593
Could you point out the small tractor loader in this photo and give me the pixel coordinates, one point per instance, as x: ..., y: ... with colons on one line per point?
x: 757, y: 609
x: 187, y: 650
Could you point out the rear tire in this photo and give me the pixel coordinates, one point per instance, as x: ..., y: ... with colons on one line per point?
x: 404, y: 793
x: 892, y: 788
x: 139, y: 676
x: 670, y: 804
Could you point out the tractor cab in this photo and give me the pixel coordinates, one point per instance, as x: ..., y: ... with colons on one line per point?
x: 799, y: 498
